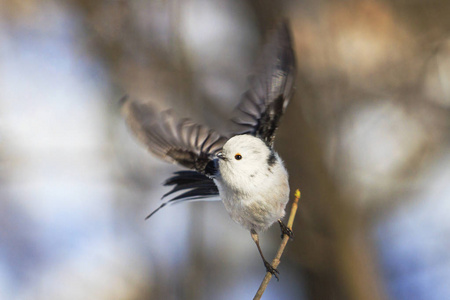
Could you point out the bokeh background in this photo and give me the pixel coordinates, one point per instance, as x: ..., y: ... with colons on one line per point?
x: 365, y: 138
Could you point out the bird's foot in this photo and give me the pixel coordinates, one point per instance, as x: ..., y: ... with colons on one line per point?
x: 285, y: 230
x: 271, y: 270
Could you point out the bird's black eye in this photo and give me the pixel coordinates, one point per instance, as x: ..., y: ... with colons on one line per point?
x: 238, y: 156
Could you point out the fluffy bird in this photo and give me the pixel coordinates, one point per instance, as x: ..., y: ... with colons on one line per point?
x: 241, y: 167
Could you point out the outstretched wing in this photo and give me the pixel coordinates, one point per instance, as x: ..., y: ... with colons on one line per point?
x: 262, y: 106
x: 177, y: 141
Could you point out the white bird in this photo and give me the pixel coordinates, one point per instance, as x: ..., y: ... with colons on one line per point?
x: 242, y: 167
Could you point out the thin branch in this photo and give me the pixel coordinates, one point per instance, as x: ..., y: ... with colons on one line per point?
x: 276, y: 260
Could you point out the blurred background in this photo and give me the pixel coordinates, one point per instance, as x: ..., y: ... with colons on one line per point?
x: 365, y: 138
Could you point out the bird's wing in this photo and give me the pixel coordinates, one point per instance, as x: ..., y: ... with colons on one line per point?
x: 177, y: 141
x: 262, y: 106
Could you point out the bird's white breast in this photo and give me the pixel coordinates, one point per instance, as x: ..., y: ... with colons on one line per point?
x: 257, y: 196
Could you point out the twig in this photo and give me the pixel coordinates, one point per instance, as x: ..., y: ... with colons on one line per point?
x: 276, y: 260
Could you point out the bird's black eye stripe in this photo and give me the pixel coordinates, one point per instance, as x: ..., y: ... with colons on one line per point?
x: 238, y: 156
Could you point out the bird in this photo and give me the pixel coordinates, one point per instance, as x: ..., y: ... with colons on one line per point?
x: 240, y: 166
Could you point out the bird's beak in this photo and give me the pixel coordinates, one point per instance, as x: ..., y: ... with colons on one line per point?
x: 221, y: 156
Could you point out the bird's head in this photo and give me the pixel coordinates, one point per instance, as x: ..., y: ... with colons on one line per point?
x: 243, y: 156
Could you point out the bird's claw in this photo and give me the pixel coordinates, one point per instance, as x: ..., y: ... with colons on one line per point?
x: 286, y: 231
x: 271, y: 270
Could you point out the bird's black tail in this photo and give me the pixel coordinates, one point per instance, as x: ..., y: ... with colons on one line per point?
x: 194, y: 185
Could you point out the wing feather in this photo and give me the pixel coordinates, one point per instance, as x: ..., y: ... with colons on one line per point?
x: 177, y: 141
x: 194, y: 187
x: 271, y: 86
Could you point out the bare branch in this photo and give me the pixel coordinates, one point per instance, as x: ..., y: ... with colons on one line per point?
x: 276, y: 260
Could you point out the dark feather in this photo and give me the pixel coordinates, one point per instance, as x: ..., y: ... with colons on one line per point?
x: 195, y: 187
x: 272, y: 159
x: 212, y: 168
x: 262, y: 106
x: 268, y: 122
x: 178, y: 141
x: 191, y: 180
